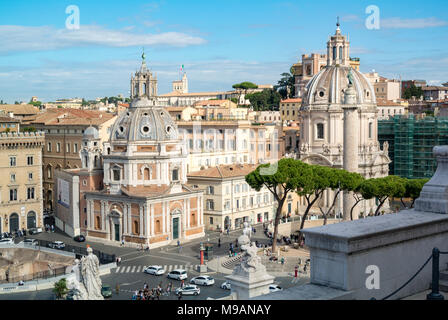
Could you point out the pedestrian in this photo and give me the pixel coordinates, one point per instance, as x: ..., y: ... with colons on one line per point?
x: 122, y: 242
x: 158, y: 294
x: 178, y: 243
x: 145, y: 286
x: 52, y: 228
x: 182, y: 284
x: 282, y: 261
x: 228, y: 231
x: 179, y: 295
x: 304, y: 268
x: 219, y: 243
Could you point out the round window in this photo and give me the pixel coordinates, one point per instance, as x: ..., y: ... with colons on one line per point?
x: 321, y: 94
x: 168, y: 129
x: 145, y: 129
x: 121, y: 129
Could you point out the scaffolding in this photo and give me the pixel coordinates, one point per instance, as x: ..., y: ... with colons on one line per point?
x: 413, y: 141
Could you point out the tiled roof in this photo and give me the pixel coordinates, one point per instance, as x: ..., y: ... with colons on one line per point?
x: 224, y: 171
x: 20, y: 109
x: 298, y: 100
x: 8, y: 119
x: 210, y: 102
x: 72, y: 117
x: 382, y: 102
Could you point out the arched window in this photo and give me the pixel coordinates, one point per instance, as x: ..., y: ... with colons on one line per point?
x: 144, y: 88
x: 370, y: 130
x: 158, y: 227
x: 175, y: 175
x: 334, y: 53
x: 116, y: 174
x: 13, y: 222
x: 340, y: 53
x: 320, y: 130
x: 96, y: 162
x: 193, y: 219
x: 135, y: 225
x: 49, y: 172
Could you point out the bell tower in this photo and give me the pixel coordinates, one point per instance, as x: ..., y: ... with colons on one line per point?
x: 338, y: 49
x: 143, y: 83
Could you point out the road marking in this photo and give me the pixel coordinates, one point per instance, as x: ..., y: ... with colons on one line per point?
x: 138, y: 269
x: 117, y: 270
x: 170, y: 267
x: 133, y: 269
x: 127, y: 270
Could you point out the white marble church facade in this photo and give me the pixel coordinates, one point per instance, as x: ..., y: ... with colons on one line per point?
x: 322, y: 121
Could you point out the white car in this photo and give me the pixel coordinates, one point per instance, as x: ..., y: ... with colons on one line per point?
x: 6, y: 241
x: 155, y: 270
x: 191, y: 289
x: 226, y: 285
x: 274, y: 288
x: 31, y: 242
x: 56, y: 245
x: 178, y: 274
x: 203, y: 280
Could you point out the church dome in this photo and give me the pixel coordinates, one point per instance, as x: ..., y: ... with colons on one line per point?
x: 144, y: 121
x: 91, y: 133
x: 328, y: 87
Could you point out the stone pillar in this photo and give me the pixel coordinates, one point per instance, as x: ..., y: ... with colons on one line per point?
x: 351, y: 145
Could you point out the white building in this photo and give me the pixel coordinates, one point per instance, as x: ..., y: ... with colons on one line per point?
x: 322, y: 119
x: 228, y: 200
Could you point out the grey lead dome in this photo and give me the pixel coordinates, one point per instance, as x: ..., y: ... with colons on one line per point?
x: 144, y: 121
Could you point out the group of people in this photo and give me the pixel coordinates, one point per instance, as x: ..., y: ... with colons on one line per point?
x: 49, y: 228
x: 152, y: 294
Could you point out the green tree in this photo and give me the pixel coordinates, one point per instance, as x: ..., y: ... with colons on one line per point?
x: 285, y: 85
x: 28, y: 129
x: 267, y: 100
x: 413, y: 187
x: 243, y: 87
x: 340, y: 180
x: 383, y: 189
x: 279, y: 179
x: 315, y: 180
x: 412, y: 91
x: 60, y: 288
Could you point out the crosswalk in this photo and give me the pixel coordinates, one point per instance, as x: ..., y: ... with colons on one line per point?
x: 168, y: 268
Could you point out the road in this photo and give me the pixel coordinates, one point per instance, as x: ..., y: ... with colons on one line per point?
x: 129, y: 276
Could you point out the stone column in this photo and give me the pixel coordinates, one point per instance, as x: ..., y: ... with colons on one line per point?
x: 141, y: 220
x: 351, y: 145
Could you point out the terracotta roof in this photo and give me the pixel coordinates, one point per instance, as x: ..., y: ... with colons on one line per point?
x: 193, y: 94
x: 298, y: 100
x: 210, y: 102
x: 382, y: 102
x: 431, y: 88
x: 126, y: 105
x: 20, y: 109
x: 8, y: 119
x: 224, y: 171
x: 72, y: 117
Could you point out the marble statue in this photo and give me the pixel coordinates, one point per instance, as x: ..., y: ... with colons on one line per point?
x: 250, y: 261
x: 91, y: 275
x: 75, y: 284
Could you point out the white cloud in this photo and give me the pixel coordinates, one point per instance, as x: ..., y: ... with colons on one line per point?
x: 399, y: 23
x: 22, y: 38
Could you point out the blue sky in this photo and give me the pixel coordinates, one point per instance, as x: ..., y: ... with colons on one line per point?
x: 220, y: 42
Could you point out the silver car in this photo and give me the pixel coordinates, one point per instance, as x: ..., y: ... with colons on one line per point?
x: 155, y: 270
x: 190, y: 289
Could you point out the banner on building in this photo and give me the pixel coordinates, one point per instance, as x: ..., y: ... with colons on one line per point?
x: 63, y: 193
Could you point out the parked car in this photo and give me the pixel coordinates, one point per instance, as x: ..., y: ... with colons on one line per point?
x: 178, y: 274
x: 274, y: 288
x: 203, y: 280
x: 106, y: 291
x: 226, y: 285
x: 31, y: 242
x: 56, y: 245
x: 35, y: 230
x: 79, y: 238
x: 190, y: 289
x: 155, y: 270
x: 6, y: 241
